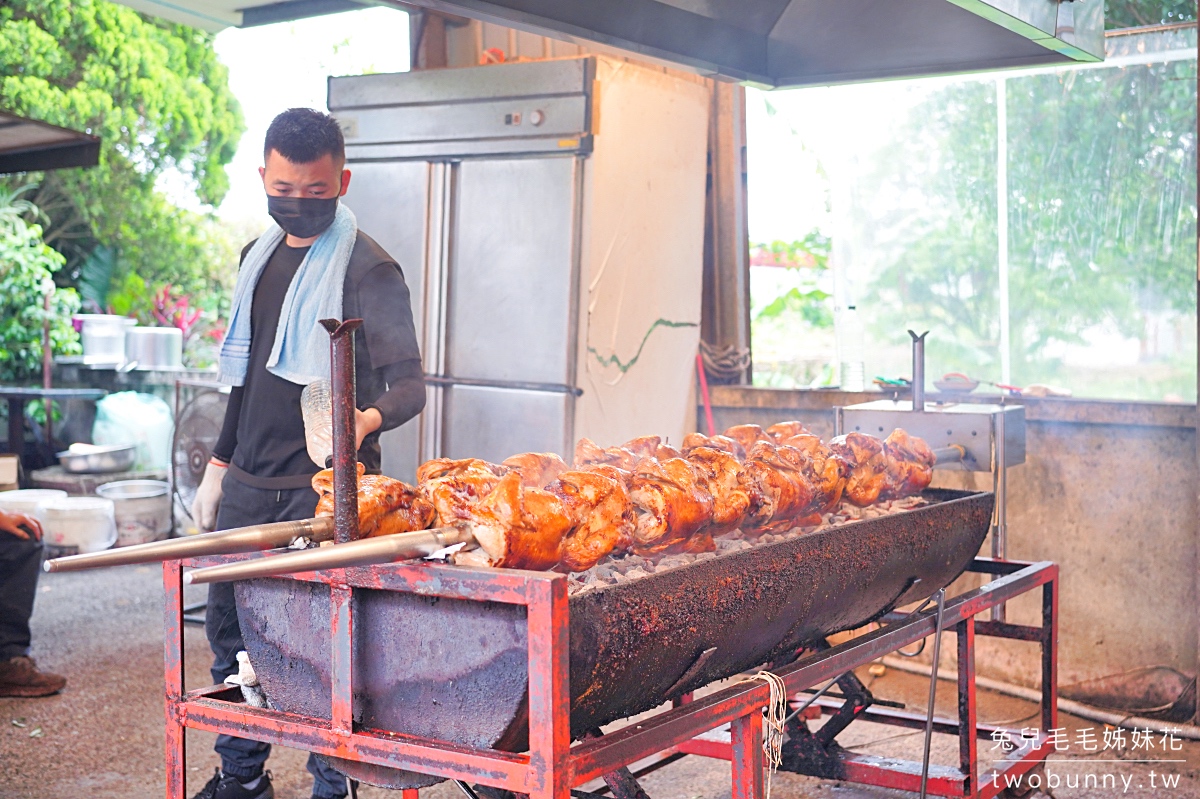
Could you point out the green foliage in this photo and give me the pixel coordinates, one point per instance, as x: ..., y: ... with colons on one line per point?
x: 131, y: 297
x: 793, y: 327
x: 1139, y: 13
x: 808, y: 257
x: 1102, y: 205
x: 27, y: 267
x: 811, y: 251
x: 159, y: 99
x: 812, y: 306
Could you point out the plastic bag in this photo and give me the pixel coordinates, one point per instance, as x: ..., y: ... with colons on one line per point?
x: 141, y: 419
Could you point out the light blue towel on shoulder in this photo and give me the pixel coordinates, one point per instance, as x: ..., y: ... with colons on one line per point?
x: 301, y: 351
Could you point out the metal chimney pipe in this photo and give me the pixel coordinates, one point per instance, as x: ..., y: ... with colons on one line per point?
x: 345, y: 454
x: 918, y: 370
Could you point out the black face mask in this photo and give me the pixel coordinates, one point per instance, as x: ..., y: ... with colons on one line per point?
x: 302, y: 217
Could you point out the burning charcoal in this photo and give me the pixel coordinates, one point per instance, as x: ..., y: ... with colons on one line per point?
x: 635, y: 573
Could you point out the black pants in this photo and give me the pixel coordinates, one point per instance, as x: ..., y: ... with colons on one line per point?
x: 241, y: 506
x: 20, y: 564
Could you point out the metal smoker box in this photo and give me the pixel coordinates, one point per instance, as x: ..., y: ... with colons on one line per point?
x: 990, y: 435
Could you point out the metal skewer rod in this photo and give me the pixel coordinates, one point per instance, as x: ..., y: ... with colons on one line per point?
x: 812, y: 699
x: 937, y: 652
x: 364, y: 552
x: 226, y: 542
x: 955, y: 453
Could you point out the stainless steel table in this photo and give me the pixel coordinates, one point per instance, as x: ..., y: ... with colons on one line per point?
x: 17, y: 396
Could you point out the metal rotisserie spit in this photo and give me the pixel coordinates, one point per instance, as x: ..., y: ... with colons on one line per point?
x: 455, y: 670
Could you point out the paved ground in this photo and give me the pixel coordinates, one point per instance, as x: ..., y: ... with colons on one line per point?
x: 102, y: 738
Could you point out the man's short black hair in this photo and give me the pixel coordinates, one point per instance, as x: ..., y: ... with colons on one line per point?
x: 303, y: 135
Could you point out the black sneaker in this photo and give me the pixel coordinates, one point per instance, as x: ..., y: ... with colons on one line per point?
x: 222, y: 786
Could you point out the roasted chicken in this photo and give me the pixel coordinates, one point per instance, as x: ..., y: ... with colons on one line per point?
x: 748, y: 435
x: 537, y: 469
x: 588, y: 453
x: 779, y: 493
x: 456, y: 486
x: 672, y: 501
x: 622, y: 476
x: 826, y: 471
x: 665, y: 452
x: 534, y: 512
x: 731, y: 502
x: 601, y: 514
x: 385, y: 506
x: 910, y: 465
x: 517, y: 527
x: 696, y: 440
x: 643, y: 446
x: 782, y: 431
x: 868, y: 466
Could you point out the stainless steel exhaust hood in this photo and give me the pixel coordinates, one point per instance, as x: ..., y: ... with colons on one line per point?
x: 782, y: 43
x: 775, y: 43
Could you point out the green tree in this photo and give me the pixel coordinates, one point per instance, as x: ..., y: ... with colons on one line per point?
x: 1102, y: 208
x: 159, y: 99
x: 27, y: 267
x: 1139, y: 13
x: 928, y: 219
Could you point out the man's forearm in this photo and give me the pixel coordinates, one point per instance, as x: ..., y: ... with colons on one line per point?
x: 404, y: 399
x: 227, y: 440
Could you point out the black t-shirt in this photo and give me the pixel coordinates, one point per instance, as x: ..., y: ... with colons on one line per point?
x: 263, y: 434
x: 267, y: 427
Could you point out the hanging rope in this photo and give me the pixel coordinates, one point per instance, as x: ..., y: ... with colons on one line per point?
x: 725, y: 364
x: 774, y: 717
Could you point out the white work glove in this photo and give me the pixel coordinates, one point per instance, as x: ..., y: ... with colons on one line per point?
x: 208, y: 496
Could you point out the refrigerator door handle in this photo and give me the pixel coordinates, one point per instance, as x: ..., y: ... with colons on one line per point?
x: 557, y: 388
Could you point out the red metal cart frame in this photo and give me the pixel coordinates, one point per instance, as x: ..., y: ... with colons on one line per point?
x: 552, y: 766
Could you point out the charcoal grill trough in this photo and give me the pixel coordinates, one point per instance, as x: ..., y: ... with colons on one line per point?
x: 455, y: 670
x: 405, y: 674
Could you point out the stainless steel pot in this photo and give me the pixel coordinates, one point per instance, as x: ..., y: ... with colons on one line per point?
x: 103, y: 337
x: 153, y: 348
x: 93, y: 459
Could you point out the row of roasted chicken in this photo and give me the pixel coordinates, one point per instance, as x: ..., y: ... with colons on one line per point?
x: 533, y: 511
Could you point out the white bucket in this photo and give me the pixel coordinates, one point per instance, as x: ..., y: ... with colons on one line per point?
x: 27, y: 500
x: 78, y: 524
x: 142, y: 507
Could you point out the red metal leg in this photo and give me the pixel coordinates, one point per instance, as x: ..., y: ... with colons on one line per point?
x: 409, y: 793
x: 342, y: 644
x: 173, y: 677
x: 1050, y: 653
x: 747, y: 738
x: 968, y: 717
x: 549, y: 691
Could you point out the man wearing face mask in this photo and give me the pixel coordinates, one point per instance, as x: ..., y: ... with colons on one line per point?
x: 312, y: 264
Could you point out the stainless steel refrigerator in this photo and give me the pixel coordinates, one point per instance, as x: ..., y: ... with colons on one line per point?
x: 549, y: 220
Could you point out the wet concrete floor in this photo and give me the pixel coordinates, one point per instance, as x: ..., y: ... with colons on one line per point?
x: 102, y: 738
